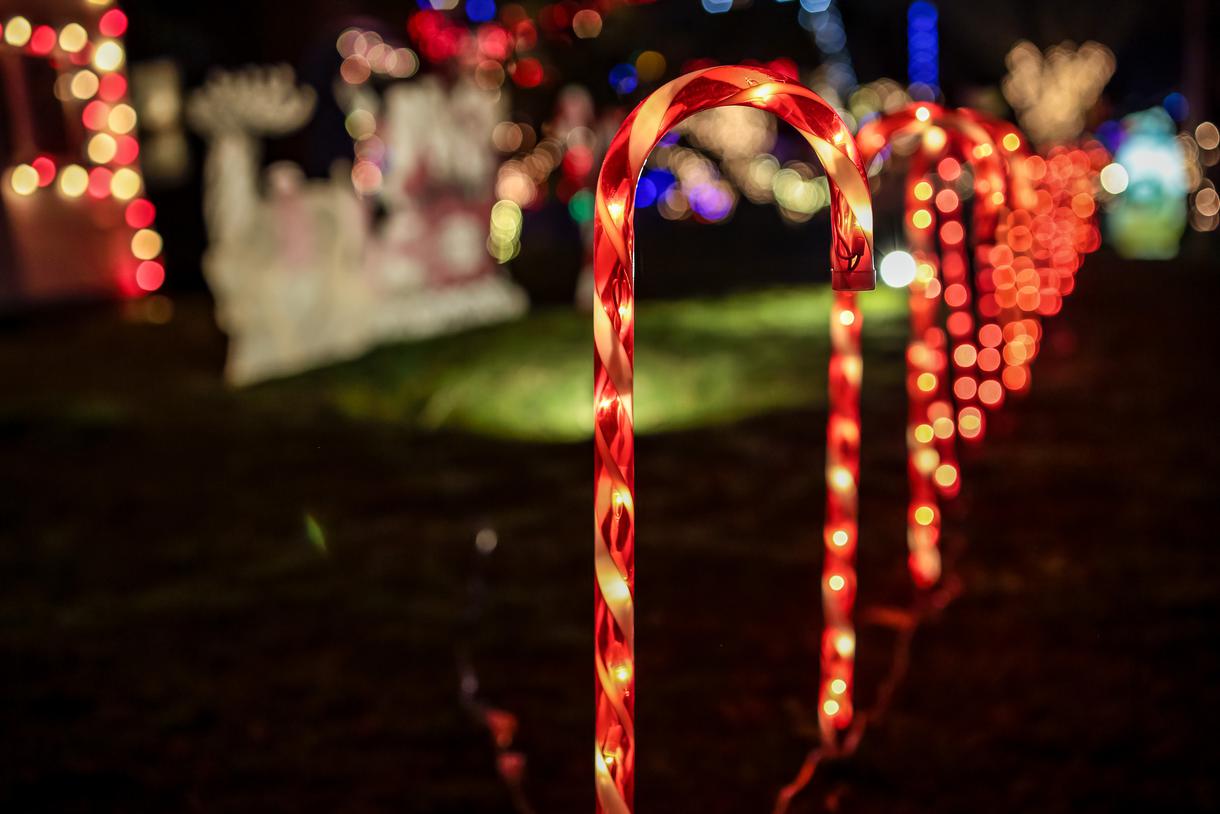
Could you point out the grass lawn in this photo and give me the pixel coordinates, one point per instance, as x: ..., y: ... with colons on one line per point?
x: 230, y: 601
x: 698, y: 362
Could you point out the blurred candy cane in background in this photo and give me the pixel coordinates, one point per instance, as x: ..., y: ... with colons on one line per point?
x: 1032, y: 222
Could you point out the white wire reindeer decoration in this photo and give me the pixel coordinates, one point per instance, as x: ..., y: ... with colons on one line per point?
x: 301, y: 274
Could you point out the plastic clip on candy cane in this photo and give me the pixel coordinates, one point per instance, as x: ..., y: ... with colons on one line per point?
x: 946, y: 140
x: 614, y: 445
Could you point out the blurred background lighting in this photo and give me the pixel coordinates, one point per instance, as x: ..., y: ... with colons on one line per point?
x: 108, y: 56
x: 1207, y: 136
x: 113, y: 23
x: 102, y: 148
x: 125, y: 184
x: 122, y: 118
x: 1114, y: 178
x: 586, y: 24
x: 24, y: 179
x: 17, y: 32
x: 923, y: 50
x: 146, y: 244
x: 623, y: 78
x: 73, y: 181
x: 897, y: 269
x: 73, y: 37
x: 150, y: 275
x: 480, y: 11
x: 84, y: 85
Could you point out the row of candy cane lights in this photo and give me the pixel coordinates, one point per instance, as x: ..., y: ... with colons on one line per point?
x: 1031, y: 225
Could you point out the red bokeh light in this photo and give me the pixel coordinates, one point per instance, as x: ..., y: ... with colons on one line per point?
x: 949, y: 169
x: 112, y: 87
x: 140, y: 214
x: 95, y: 115
x: 45, y: 168
x: 150, y: 275
x: 113, y: 23
x: 127, y: 149
x: 578, y: 162
x: 99, y: 182
x: 494, y: 42
x: 527, y: 73
x: 42, y: 40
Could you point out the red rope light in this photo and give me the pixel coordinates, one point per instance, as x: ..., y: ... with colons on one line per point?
x: 614, y: 344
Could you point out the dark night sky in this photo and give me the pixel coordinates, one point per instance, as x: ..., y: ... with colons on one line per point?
x: 1147, y: 37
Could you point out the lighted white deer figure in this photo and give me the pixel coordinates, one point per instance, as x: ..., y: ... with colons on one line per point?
x: 235, y: 111
x: 301, y: 275
x: 1053, y: 92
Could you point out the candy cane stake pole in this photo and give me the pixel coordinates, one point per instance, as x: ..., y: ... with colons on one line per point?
x: 613, y: 364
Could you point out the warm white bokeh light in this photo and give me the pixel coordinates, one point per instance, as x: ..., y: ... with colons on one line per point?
x: 1114, y: 178
x: 897, y: 269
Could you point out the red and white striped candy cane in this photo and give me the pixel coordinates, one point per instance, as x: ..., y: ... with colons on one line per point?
x: 614, y: 446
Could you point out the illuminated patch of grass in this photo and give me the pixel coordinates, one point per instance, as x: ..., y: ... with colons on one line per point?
x: 698, y: 362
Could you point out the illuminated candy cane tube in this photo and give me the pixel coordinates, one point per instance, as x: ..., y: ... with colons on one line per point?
x: 839, y: 531
x: 930, y: 424
x: 613, y: 363
x: 1008, y: 274
x: 1041, y: 243
x: 933, y: 472
x: 951, y: 139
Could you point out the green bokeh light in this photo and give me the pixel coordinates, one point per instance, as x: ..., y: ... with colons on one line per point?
x: 581, y: 206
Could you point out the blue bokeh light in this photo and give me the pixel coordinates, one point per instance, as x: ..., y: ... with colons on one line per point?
x: 1175, y: 105
x: 710, y: 202
x: 923, y: 46
x: 480, y: 11
x: 645, y: 193
x: 623, y: 78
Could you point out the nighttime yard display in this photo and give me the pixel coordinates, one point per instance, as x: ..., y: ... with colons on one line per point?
x: 977, y: 294
x: 296, y: 505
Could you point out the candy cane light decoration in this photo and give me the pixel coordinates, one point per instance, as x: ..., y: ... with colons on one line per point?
x: 942, y: 406
x: 613, y: 362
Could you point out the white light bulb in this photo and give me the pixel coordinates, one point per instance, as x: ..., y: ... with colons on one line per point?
x: 1114, y: 178
x: 898, y: 269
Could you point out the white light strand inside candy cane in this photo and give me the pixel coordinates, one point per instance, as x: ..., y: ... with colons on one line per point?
x: 614, y: 448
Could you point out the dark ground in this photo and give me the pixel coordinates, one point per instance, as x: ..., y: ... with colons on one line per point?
x: 172, y: 640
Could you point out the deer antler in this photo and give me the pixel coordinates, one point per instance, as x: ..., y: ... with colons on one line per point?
x: 257, y: 100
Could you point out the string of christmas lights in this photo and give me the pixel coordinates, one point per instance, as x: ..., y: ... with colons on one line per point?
x: 91, y: 81
x: 614, y: 343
